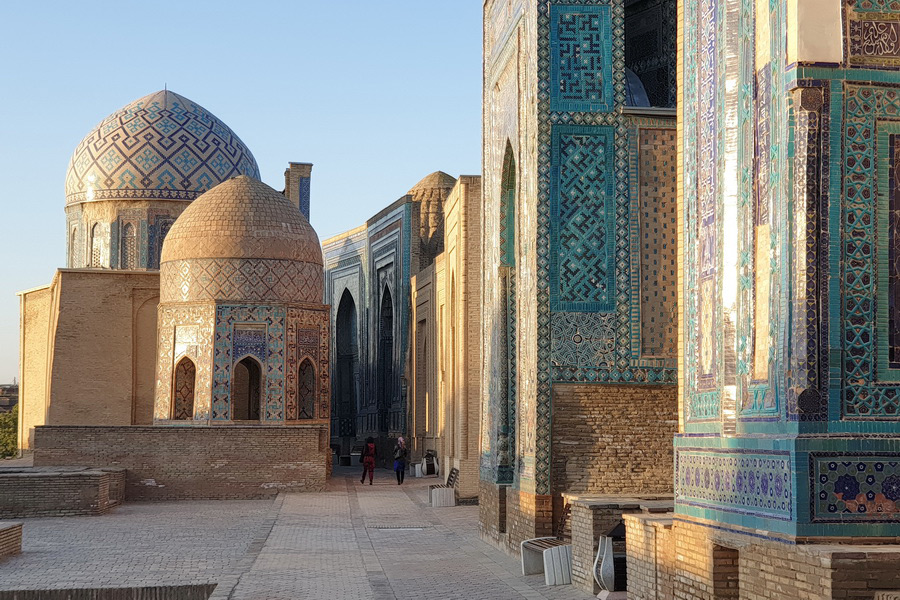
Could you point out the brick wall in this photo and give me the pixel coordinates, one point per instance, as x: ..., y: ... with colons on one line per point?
x: 613, y: 439
x: 10, y: 539
x: 168, y: 592
x: 165, y: 463
x: 54, y: 494
x: 527, y: 516
x: 492, y: 513
x: 651, y: 552
x: 690, y: 561
x: 590, y: 520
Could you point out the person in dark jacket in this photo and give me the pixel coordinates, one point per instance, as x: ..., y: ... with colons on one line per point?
x: 400, y: 456
x: 368, y: 460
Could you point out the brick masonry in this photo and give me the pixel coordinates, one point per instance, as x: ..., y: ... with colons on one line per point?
x: 492, y: 513
x: 650, y: 556
x: 166, y: 463
x: 613, y: 439
x: 56, y: 493
x: 689, y: 561
x: 590, y: 520
x: 10, y: 539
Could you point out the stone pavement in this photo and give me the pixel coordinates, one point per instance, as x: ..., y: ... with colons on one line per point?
x: 352, y: 541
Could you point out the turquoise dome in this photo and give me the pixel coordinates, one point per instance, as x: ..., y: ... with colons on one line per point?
x: 162, y: 146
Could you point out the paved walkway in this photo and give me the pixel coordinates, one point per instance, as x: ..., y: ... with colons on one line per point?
x: 374, y: 542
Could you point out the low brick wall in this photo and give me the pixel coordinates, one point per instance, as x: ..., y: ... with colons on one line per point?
x: 43, y: 492
x: 686, y: 560
x: 651, y: 556
x: 169, y: 592
x: 594, y: 516
x: 10, y: 539
x: 172, y: 462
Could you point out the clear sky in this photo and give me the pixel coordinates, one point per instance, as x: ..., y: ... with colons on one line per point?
x: 375, y: 94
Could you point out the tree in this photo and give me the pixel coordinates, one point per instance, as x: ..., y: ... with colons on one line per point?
x: 8, y: 425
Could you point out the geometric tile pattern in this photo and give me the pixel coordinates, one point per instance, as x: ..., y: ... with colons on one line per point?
x: 855, y: 488
x: 581, y: 50
x: 582, y: 268
x: 583, y: 339
x: 159, y: 146
x: 866, y: 394
x: 224, y: 357
x: 183, y: 400
x: 196, y: 320
x: 651, y: 49
x: 306, y: 390
x: 733, y: 481
x: 240, y: 280
x: 893, y: 255
x: 308, y: 337
x: 657, y: 239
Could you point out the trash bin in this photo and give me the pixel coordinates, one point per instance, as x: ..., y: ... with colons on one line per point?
x: 429, y: 464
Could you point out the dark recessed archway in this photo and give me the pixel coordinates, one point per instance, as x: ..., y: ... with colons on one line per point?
x: 246, y: 390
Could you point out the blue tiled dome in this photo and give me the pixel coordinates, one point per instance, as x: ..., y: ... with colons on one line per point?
x: 161, y: 146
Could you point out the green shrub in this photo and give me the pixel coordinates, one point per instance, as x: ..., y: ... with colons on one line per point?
x: 8, y: 422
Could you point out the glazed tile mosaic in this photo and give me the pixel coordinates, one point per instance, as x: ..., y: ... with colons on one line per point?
x: 159, y: 146
x: 743, y: 482
x: 851, y: 487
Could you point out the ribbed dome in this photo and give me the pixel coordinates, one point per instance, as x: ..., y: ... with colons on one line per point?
x: 242, y: 240
x: 159, y: 146
x: 430, y: 183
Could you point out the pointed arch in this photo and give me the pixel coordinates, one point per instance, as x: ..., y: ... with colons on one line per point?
x: 129, y: 247
x: 506, y: 423
x: 73, y: 245
x: 246, y: 390
x: 345, y: 401
x: 96, y: 246
x: 385, y: 371
x: 307, y: 390
x: 183, y: 390
x: 508, y: 208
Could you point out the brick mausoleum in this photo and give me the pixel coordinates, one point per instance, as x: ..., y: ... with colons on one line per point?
x: 166, y: 357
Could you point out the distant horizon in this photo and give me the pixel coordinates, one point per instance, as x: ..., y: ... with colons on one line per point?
x: 376, y: 98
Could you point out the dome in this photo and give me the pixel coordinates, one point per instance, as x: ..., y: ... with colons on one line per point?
x: 160, y: 146
x: 242, y: 241
x: 437, y: 184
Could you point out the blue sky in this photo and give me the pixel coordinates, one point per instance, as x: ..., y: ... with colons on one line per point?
x: 375, y: 94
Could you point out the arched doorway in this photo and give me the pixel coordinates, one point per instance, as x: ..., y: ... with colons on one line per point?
x: 246, y: 390
x: 183, y: 393
x: 506, y: 424
x: 306, y: 390
x: 344, y: 402
x: 385, y: 371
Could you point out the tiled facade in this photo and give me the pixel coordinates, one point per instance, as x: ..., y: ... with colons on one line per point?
x: 367, y: 284
x: 798, y: 242
x: 579, y: 294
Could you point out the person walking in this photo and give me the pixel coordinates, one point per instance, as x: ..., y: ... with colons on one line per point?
x: 368, y: 460
x: 400, y: 456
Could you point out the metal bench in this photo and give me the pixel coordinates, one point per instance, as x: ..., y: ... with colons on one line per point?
x: 551, y: 556
x: 444, y: 494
